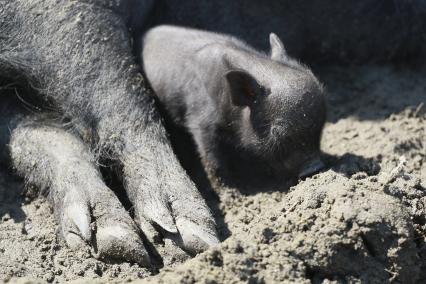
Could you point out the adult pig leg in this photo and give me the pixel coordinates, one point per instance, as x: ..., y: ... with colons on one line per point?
x: 78, y: 54
x: 86, y: 209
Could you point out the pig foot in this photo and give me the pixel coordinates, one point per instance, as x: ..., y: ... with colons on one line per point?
x: 167, y: 203
x: 98, y: 220
x: 86, y: 209
x: 182, y: 217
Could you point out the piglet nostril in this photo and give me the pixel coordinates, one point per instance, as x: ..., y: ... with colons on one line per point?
x: 311, y: 168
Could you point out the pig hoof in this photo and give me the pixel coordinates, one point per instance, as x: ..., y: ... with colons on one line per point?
x: 195, y: 237
x: 98, y: 219
x: 178, y: 213
x: 119, y: 242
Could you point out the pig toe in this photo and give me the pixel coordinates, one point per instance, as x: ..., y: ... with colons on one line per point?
x: 196, y: 226
x: 119, y: 242
x: 97, y: 219
x: 194, y: 220
x: 116, y: 236
x: 178, y: 213
x: 157, y: 211
x: 75, y: 218
x: 75, y: 224
x: 193, y: 237
x: 154, y: 216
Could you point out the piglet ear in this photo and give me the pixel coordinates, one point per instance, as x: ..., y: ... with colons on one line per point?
x: 277, y: 48
x: 243, y: 87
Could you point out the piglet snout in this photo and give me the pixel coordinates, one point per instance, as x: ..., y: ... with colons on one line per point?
x: 311, y: 168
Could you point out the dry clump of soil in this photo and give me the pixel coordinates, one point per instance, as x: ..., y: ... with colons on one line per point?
x: 362, y: 220
x: 327, y: 227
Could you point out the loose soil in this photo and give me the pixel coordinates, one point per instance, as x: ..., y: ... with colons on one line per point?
x: 361, y: 220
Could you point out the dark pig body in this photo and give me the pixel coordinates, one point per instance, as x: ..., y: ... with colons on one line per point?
x: 77, y: 58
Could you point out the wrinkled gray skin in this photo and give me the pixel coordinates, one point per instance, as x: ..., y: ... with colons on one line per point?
x: 267, y: 107
x: 78, y: 55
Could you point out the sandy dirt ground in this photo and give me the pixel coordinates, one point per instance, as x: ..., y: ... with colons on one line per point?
x: 361, y: 220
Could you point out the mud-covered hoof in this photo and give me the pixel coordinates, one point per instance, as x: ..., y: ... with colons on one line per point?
x: 178, y: 213
x: 98, y: 219
x: 119, y: 243
x: 196, y: 238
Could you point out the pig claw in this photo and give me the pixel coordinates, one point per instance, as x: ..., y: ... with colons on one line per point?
x: 99, y: 220
x: 196, y: 226
x: 178, y: 213
x: 195, y: 238
x: 75, y: 223
x: 119, y: 242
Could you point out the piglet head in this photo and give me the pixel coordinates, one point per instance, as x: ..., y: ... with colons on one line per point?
x: 283, y: 113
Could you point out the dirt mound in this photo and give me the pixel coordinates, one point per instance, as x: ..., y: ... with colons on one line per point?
x: 327, y: 227
x: 363, y: 220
